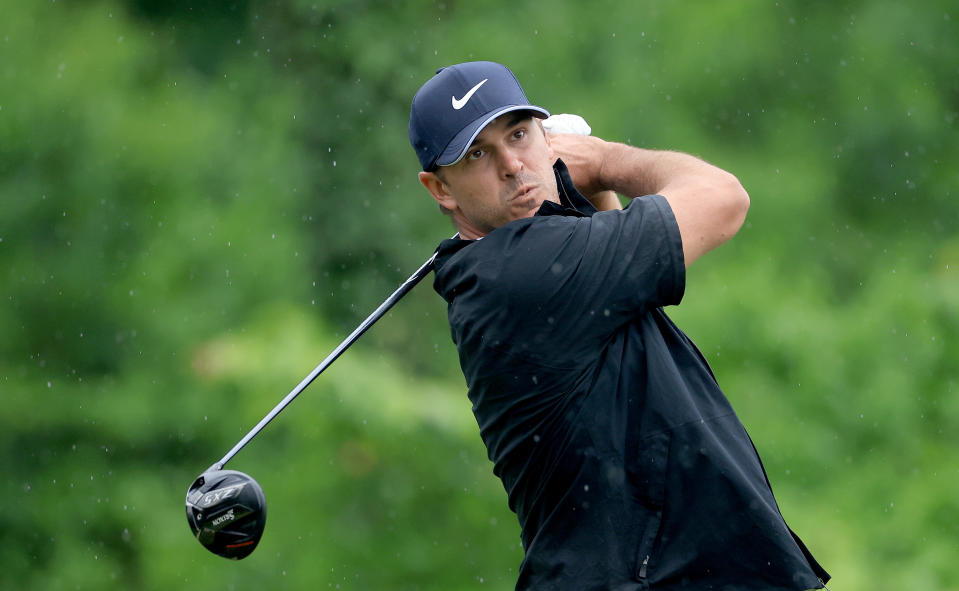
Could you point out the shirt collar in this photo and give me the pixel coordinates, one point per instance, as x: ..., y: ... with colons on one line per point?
x: 572, y: 202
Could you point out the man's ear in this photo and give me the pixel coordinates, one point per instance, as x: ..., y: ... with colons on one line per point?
x: 438, y: 189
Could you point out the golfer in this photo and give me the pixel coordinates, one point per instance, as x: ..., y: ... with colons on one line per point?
x: 624, y: 462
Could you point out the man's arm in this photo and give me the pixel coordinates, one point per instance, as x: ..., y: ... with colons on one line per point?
x: 605, y: 200
x: 709, y: 203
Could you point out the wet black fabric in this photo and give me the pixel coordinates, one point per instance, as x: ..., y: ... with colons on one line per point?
x: 623, y: 460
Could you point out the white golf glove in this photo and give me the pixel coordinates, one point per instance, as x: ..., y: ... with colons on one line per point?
x: 566, y: 123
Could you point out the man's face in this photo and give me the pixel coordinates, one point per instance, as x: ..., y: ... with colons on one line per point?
x: 506, y: 174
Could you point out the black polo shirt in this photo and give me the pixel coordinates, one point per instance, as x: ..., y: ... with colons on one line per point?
x: 623, y: 460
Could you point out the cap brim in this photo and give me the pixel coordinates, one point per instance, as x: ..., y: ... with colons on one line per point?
x: 461, y: 142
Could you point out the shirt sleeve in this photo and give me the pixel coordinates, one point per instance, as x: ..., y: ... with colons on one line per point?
x: 572, y: 282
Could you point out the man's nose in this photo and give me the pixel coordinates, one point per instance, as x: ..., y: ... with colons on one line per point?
x: 510, y: 162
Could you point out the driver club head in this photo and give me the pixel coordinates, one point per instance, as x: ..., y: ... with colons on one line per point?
x: 226, y: 510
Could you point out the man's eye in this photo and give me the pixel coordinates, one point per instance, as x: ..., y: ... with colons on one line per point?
x: 476, y: 154
x: 519, y: 134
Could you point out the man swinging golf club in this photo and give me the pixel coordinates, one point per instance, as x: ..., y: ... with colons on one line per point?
x: 624, y: 462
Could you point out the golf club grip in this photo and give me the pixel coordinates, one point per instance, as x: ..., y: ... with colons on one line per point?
x: 378, y: 313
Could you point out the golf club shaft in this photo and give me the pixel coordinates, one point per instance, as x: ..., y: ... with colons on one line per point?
x: 401, y: 291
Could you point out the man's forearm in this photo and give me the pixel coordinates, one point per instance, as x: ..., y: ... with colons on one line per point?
x: 635, y: 171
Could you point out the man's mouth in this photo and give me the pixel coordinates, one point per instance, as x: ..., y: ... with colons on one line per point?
x: 523, y: 193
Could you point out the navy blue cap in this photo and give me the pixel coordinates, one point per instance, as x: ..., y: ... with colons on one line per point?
x: 454, y: 106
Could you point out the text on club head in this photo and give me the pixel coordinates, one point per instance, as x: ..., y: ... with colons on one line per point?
x: 228, y: 516
x: 219, y: 495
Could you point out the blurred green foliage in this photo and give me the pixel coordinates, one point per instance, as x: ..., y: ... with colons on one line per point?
x: 198, y: 200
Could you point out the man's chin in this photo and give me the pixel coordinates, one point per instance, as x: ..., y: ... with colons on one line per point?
x: 526, y: 207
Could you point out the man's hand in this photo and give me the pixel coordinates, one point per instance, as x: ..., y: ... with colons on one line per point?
x: 581, y: 154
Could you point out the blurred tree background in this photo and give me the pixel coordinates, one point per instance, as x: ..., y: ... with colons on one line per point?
x: 198, y: 200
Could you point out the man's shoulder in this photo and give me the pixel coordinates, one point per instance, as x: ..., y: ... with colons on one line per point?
x: 506, y: 258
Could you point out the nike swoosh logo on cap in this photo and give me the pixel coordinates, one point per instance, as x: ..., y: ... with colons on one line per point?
x: 460, y: 103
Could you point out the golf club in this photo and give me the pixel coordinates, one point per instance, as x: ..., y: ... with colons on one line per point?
x: 226, y: 509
